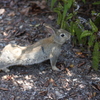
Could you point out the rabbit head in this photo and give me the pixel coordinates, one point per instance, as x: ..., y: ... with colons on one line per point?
x: 60, y: 35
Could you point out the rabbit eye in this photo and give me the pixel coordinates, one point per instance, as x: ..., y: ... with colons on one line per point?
x: 62, y: 35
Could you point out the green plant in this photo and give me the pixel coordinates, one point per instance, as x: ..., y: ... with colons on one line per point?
x: 84, y: 1
x: 96, y: 56
x: 71, y: 22
x: 96, y: 3
x: 61, y: 10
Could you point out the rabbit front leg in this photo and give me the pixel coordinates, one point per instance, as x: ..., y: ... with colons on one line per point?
x: 53, y: 61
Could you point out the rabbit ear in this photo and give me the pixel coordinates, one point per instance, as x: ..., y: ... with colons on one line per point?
x: 50, y: 29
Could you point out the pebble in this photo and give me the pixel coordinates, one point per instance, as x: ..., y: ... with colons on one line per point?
x: 2, y: 45
x: 58, y: 94
x: 0, y: 17
x: 21, y: 26
x: 12, y: 42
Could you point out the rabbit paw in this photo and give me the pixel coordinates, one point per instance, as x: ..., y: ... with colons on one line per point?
x: 55, y: 68
x: 5, y: 70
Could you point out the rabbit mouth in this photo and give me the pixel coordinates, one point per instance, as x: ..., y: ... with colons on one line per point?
x: 69, y: 37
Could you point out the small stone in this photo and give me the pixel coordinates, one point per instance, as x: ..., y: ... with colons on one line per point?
x: 1, y: 36
x: 51, y: 17
x: 21, y: 26
x: 0, y: 17
x: 58, y: 94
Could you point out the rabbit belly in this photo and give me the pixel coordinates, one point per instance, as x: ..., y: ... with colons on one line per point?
x: 33, y: 57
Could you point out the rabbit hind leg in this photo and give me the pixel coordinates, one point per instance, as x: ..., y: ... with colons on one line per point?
x: 5, y: 69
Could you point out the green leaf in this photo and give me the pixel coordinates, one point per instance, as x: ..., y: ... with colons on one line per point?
x: 69, y: 16
x: 67, y: 5
x: 86, y: 33
x: 91, y: 40
x: 60, y: 7
x: 58, y: 10
x: 78, y: 31
x: 52, y: 3
x: 71, y: 28
x: 96, y: 3
x: 59, y: 16
x: 96, y: 56
x: 94, y: 27
x: 84, y: 1
x: 66, y: 26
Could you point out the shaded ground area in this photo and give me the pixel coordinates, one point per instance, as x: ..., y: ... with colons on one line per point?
x: 21, y: 22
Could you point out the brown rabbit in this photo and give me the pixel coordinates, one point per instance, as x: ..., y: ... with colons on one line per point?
x: 47, y: 48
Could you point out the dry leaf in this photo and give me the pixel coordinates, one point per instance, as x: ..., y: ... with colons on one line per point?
x: 71, y: 66
x: 81, y: 64
x: 43, y: 93
x: 41, y: 4
x: 5, y: 34
x: 8, y: 77
x: 11, y: 14
x: 96, y: 86
x: 94, y: 94
x: 2, y: 11
x: 79, y: 53
x: 25, y: 11
x: 51, y: 80
x: 46, y: 83
x: 62, y: 67
x: 68, y: 72
x: 51, y: 17
x: 5, y: 89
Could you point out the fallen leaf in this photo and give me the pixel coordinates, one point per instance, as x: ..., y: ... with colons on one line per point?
x: 68, y: 72
x: 11, y: 14
x: 5, y: 89
x: 47, y: 83
x: 96, y: 86
x: 94, y: 94
x: 25, y: 11
x: 43, y: 93
x: 62, y: 67
x: 20, y: 33
x: 41, y: 4
x: 51, y: 17
x: 8, y: 77
x: 79, y: 53
x: 51, y: 80
x: 5, y: 34
x: 71, y: 65
x: 35, y: 8
x: 81, y: 64
x: 2, y: 11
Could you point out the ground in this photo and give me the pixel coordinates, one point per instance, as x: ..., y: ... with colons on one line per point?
x: 21, y: 22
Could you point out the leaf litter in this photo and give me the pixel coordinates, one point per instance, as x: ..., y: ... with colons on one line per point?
x: 22, y: 23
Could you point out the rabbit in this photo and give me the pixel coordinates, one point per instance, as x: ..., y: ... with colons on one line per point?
x: 47, y: 48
